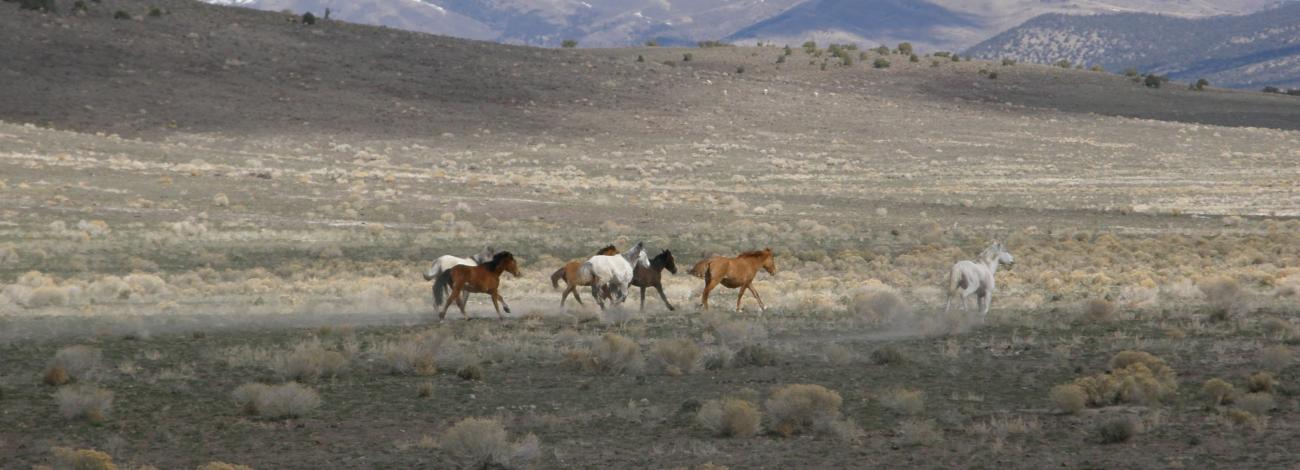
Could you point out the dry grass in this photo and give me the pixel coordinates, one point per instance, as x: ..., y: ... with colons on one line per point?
x: 1257, y: 403
x: 470, y: 372
x: 222, y: 466
x: 729, y: 417
x: 919, y: 432
x: 288, y: 400
x: 1099, y: 310
x: 73, y: 363
x: 484, y: 443
x: 65, y: 458
x: 1117, y: 430
x: 425, y: 390
x: 677, y: 356
x: 309, y: 361
x: 1069, y: 398
x: 904, y: 401
x: 755, y: 355
x: 1218, y: 391
x: 611, y: 354
x: 1224, y: 295
x: 803, y: 407
x: 878, y: 304
x: 889, y: 355
x: 84, y: 401
x: 1276, y: 358
x: 1261, y: 382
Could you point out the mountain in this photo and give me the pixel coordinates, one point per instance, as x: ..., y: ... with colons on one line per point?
x: 929, y: 24
x: 1245, y: 51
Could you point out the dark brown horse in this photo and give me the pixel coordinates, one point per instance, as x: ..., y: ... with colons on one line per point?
x: 569, y: 273
x: 736, y: 273
x: 653, y: 276
x: 484, y: 278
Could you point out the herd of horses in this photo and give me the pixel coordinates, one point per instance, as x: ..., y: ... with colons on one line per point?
x: 610, y: 274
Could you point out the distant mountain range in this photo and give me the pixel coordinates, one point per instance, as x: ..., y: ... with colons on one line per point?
x: 929, y: 24
x: 1250, y: 51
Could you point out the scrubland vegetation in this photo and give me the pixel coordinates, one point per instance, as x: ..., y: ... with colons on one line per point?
x: 200, y: 300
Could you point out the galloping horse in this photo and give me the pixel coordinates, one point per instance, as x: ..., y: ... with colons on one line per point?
x: 484, y: 278
x: 652, y: 276
x: 443, y: 263
x: 569, y: 273
x: 611, y: 274
x: 976, y: 277
x: 736, y: 273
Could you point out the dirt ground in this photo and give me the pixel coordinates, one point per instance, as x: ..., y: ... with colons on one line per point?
x: 199, y: 195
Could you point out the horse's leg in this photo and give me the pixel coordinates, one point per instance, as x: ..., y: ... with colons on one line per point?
x: 660, y: 288
x: 709, y: 284
x: 577, y: 294
x: 595, y: 294
x: 496, y: 298
x: 740, y: 295
x: 455, y: 296
x: 757, y: 297
x: 988, y: 302
x: 642, y: 299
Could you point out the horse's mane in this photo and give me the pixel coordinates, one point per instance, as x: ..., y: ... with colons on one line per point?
x: 497, y: 259
x: 608, y: 248
x: 753, y: 254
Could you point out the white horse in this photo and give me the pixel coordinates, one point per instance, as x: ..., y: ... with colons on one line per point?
x: 438, y: 273
x: 612, y: 274
x: 976, y: 277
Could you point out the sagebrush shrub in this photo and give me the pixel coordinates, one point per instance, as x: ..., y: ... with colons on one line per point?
x: 1276, y: 358
x: 677, y: 356
x: 1100, y: 310
x: 1117, y: 430
x: 803, y: 407
x: 1224, y: 295
x: 308, y: 361
x: 67, y: 458
x: 904, y: 401
x: 1260, y: 382
x: 84, y: 401
x: 729, y: 417
x: 1135, y: 377
x: 611, y: 354
x: 919, y: 432
x: 288, y: 400
x: 1218, y: 391
x: 877, y: 304
x: 484, y: 443
x: 73, y: 363
x: 1069, y: 398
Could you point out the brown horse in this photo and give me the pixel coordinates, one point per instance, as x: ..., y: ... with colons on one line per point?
x: 484, y: 278
x: 736, y: 273
x: 653, y: 276
x: 569, y: 273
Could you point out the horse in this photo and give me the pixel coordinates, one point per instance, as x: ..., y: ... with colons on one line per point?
x: 736, y: 273
x: 612, y: 274
x: 976, y: 277
x: 484, y: 278
x: 443, y: 263
x: 569, y: 273
x: 652, y: 276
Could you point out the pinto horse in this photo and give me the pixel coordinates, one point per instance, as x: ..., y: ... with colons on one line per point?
x: 484, y: 278
x: 439, y: 272
x: 652, y: 276
x: 611, y: 275
x: 569, y: 273
x: 736, y: 273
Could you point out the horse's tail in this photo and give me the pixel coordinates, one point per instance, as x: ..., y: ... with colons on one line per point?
x: 441, y: 287
x: 954, y: 278
x: 559, y: 274
x: 700, y: 268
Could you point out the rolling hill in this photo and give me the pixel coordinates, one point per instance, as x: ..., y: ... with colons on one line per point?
x: 1248, y: 51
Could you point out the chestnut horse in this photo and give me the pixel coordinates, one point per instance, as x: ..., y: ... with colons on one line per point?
x: 569, y: 273
x: 484, y: 278
x: 653, y: 276
x: 736, y: 273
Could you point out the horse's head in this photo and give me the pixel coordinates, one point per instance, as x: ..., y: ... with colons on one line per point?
x: 637, y: 255
x: 609, y: 250
x: 504, y: 262
x: 769, y: 261
x: 998, y: 252
x: 667, y: 261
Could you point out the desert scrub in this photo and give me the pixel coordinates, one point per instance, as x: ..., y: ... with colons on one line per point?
x: 803, y: 407
x: 1260, y: 382
x: 1135, y: 377
x: 1069, y: 398
x: 729, y: 417
x: 1218, y: 391
x: 289, y: 400
x: 67, y: 458
x: 919, y: 432
x: 484, y: 443
x: 222, y: 466
x: 1116, y: 430
x: 1224, y: 295
x: 73, y: 363
x: 904, y: 401
x: 309, y: 361
x: 612, y: 354
x: 84, y: 401
x: 676, y: 356
x: 1099, y: 310
x: 878, y: 304
x: 1276, y: 358
x: 888, y: 355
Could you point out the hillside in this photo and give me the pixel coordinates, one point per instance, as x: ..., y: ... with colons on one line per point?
x: 936, y: 24
x: 1250, y: 51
